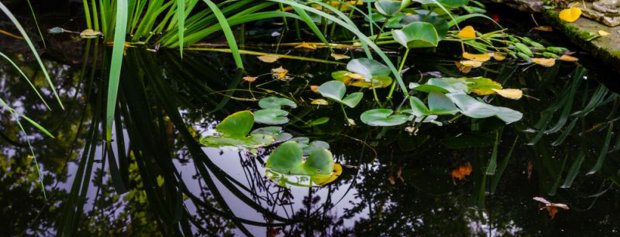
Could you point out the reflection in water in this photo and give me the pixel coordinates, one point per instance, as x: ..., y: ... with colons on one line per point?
x: 157, y: 177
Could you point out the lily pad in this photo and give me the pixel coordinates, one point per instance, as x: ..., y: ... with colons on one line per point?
x: 273, y: 102
x: 368, y: 68
x: 388, y: 7
x: 383, y: 118
x: 288, y: 159
x: 336, y: 90
x: 271, y: 116
x: 287, y: 180
x: 234, y: 131
x: 473, y: 108
x: 274, y: 131
x: 439, y: 104
x: 352, y: 79
x: 417, y: 35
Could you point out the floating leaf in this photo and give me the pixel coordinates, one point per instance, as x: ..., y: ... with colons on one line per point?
x: 314, y: 88
x: 288, y: 159
x: 439, y: 104
x: 271, y: 116
x: 552, y: 208
x: 90, y: 34
x: 571, y: 14
x: 274, y: 131
x: 481, y: 85
x: 545, y: 62
x: 470, y: 63
x: 236, y: 125
x: 568, y: 58
x: 336, y: 90
x: 339, y: 56
x: 318, y: 121
x: 249, y: 78
x: 383, y: 118
x: 461, y: 172
x: 273, y: 102
x: 357, y: 80
x: 388, y: 7
x: 417, y: 35
x: 477, y: 57
x: 499, y: 56
x: 280, y: 74
x: 514, y: 94
x: 468, y: 32
x: 319, y: 102
x: 476, y: 109
x: 306, y: 46
x: 234, y: 131
x: 269, y: 58
x: 368, y: 68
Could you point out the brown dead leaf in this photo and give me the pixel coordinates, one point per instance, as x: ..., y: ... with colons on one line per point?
x: 552, y: 208
x: 545, y: 62
x: 568, y: 58
x: 306, y: 46
x: 543, y: 28
x: 249, y: 79
x: 477, y: 57
x: 314, y: 88
x: 269, y: 58
x: 462, y: 171
x: 280, y: 74
x: 514, y: 94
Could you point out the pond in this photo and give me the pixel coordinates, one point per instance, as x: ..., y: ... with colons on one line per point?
x: 184, y: 161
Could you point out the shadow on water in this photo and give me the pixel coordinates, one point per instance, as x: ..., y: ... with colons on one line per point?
x: 155, y: 179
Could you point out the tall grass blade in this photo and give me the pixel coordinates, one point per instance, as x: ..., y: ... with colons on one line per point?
x: 181, y: 23
x: 230, y: 36
x: 116, y: 64
x: 21, y: 30
x: 36, y: 23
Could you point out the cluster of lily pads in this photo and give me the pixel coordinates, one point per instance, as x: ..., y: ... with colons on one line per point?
x: 443, y: 96
x: 296, y: 161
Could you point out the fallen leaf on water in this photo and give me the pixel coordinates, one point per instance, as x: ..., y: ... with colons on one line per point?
x: 499, y: 56
x: 269, y: 58
x: 568, y: 58
x: 319, y: 102
x: 552, y: 208
x: 306, y: 46
x: 314, y: 88
x: 514, y: 94
x: 483, y: 57
x: 90, y: 33
x: 543, y: 28
x: 249, y: 78
x: 571, y: 14
x: 462, y: 171
x: 468, y: 32
x: 603, y: 33
x: 339, y: 56
x: 280, y: 74
x: 471, y: 63
x: 545, y: 62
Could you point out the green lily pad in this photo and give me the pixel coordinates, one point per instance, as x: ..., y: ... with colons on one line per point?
x: 288, y: 159
x: 449, y: 84
x: 473, y: 108
x: 439, y: 103
x: 236, y: 125
x: 383, y: 118
x: 288, y: 180
x: 441, y: 25
x: 252, y: 141
x: 350, y: 79
x: 417, y: 35
x: 388, y: 7
x: 274, y: 131
x: 482, y: 86
x: 368, y: 68
x: 308, y: 146
x: 453, y: 3
x: 271, y: 116
x: 336, y: 90
x: 317, y: 122
x: 273, y: 102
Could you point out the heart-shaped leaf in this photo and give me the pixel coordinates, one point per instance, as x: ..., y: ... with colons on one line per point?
x: 335, y: 90
x: 353, y: 99
x: 273, y: 102
x: 276, y: 132
x: 287, y: 180
x: 236, y: 125
x: 252, y: 141
x: 441, y: 25
x: 417, y: 35
x: 357, y: 80
x: 439, y: 104
x: 476, y: 109
x: 368, y: 68
x: 383, y: 118
x: 271, y: 116
x: 388, y: 7
x: 288, y: 159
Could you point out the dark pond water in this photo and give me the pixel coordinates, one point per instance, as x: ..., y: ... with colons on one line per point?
x: 155, y: 179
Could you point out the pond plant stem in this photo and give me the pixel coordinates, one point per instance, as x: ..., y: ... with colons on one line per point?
x: 400, y: 69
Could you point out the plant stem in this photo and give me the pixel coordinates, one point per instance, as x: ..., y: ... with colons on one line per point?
x: 400, y: 69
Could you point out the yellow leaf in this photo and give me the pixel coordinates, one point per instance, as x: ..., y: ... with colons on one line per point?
x: 249, y: 78
x: 90, y: 33
x: 269, y: 58
x: 319, y: 102
x: 499, y: 56
x: 543, y: 28
x: 306, y: 46
x: 603, y: 33
x: 571, y: 14
x: 514, y: 94
x: 339, y: 56
x: 314, y: 88
x: 326, y: 179
x: 468, y: 33
x: 568, y: 58
x: 545, y: 62
x: 477, y: 57
x: 471, y: 63
x: 280, y: 74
